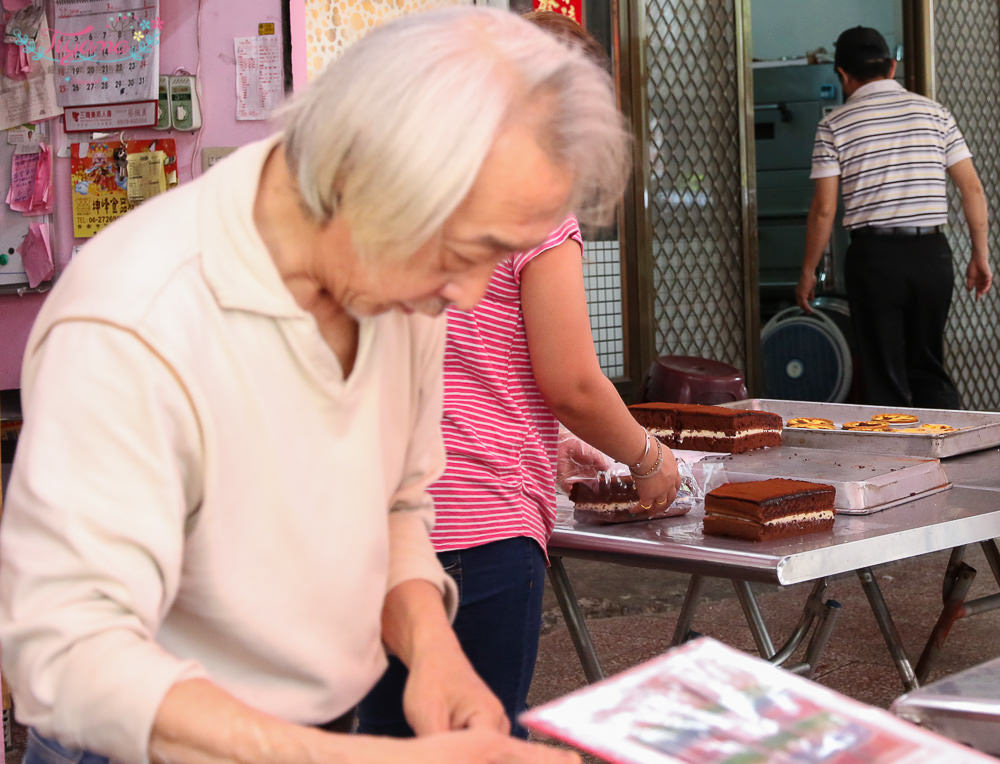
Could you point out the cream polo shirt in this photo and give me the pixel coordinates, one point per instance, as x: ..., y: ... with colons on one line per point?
x: 891, y: 149
x: 197, y: 490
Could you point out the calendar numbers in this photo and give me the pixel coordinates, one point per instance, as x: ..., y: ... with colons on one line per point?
x: 111, y: 48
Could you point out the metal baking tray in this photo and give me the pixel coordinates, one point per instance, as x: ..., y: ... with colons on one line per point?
x: 864, y: 482
x: 975, y: 430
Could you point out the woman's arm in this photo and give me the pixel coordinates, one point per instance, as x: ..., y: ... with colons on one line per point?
x: 198, y: 723
x: 569, y: 376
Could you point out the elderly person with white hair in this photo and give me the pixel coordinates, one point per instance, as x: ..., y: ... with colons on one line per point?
x: 217, y: 522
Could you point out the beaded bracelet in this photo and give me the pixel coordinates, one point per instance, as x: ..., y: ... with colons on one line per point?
x: 656, y: 465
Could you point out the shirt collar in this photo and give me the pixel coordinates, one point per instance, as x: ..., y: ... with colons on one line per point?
x: 236, y: 264
x: 876, y: 87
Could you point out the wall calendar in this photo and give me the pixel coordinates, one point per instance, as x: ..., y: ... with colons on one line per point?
x: 105, y: 51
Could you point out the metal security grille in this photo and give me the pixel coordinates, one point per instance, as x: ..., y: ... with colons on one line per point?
x: 695, y: 203
x: 602, y: 278
x: 967, y: 71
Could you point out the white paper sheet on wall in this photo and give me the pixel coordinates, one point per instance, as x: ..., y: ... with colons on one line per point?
x: 34, y: 98
x: 259, y: 76
x: 106, y: 51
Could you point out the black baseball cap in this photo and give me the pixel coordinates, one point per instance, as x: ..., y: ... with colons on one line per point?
x: 859, y: 46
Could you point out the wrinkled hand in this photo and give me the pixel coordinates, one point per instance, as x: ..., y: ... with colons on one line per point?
x: 978, y: 276
x: 659, y: 490
x: 443, y: 692
x: 805, y: 291
x: 481, y: 747
x: 577, y: 459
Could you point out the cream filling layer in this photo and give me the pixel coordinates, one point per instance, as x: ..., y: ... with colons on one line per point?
x: 661, y: 431
x: 604, y: 506
x: 823, y: 514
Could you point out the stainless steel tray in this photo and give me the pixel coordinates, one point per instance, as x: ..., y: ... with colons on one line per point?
x: 974, y: 429
x: 964, y: 706
x: 864, y: 482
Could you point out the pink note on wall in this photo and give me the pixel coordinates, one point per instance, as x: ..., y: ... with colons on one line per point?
x: 30, y: 191
x: 36, y: 254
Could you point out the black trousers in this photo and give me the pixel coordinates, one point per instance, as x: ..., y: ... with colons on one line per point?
x: 899, y: 290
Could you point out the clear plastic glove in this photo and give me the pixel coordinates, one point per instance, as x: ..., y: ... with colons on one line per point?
x: 578, y: 460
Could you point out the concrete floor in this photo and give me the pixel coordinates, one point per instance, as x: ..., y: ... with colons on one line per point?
x: 631, y: 614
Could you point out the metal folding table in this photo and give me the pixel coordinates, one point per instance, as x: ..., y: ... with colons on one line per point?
x: 959, y: 516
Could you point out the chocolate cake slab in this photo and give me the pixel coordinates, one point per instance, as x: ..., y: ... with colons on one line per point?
x: 659, y: 419
x: 610, y: 500
x: 696, y: 427
x: 765, y: 509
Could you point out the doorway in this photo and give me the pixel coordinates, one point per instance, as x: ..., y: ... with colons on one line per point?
x: 803, y: 357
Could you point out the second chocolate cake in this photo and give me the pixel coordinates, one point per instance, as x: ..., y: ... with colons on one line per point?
x: 696, y: 427
x: 765, y: 509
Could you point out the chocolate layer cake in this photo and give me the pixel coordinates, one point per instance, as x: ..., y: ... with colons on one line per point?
x: 709, y: 428
x: 767, y: 509
x: 610, y: 501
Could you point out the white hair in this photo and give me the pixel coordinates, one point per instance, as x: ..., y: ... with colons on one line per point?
x: 393, y: 133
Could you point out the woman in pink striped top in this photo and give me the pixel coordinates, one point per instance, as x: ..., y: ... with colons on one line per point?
x: 515, y: 367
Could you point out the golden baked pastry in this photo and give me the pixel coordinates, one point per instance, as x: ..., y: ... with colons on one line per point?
x: 937, y: 428
x: 813, y: 425
x: 867, y: 426
x: 895, y: 418
x: 804, y: 421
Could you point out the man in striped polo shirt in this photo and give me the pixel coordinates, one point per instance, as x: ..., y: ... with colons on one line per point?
x: 891, y: 150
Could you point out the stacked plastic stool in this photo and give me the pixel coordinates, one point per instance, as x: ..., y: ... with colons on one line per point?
x: 690, y: 379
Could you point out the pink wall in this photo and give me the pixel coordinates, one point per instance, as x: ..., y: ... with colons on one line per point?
x: 210, y: 56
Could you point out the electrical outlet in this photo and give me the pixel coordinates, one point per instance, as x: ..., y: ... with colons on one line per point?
x: 212, y: 154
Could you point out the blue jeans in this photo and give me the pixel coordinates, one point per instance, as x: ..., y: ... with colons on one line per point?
x: 43, y: 750
x: 499, y: 617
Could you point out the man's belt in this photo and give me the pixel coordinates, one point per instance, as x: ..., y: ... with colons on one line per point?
x: 899, y: 230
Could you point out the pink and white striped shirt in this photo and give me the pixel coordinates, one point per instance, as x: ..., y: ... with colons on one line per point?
x: 499, y: 481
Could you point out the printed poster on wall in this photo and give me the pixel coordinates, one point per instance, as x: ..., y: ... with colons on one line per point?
x: 100, y: 175
x: 106, y: 51
x: 571, y: 8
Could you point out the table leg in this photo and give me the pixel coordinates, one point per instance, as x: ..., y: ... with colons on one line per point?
x: 954, y: 562
x: 958, y: 581
x: 821, y: 637
x: 575, y: 622
x: 814, y: 611
x: 888, y: 628
x: 755, y: 620
x: 682, y: 631
x: 989, y: 548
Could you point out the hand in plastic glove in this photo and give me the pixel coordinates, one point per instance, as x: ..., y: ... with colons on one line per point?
x: 578, y: 460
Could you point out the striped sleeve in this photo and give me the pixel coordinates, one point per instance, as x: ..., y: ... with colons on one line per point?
x: 955, y: 148
x: 825, y: 161
x: 568, y: 229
